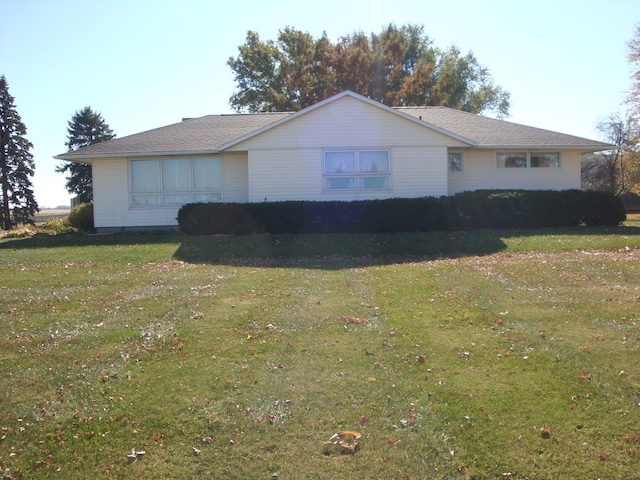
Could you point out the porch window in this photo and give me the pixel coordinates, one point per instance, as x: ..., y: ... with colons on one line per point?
x: 357, y: 170
x: 175, y: 181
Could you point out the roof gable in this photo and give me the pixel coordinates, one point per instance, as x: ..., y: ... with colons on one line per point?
x: 337, y: 98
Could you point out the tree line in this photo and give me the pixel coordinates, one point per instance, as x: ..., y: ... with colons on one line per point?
x: 618, y: 170
x: 17, y: 166
x: 400, y: 66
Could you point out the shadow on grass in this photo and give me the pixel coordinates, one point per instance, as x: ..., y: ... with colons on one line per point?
x: 329, y: 251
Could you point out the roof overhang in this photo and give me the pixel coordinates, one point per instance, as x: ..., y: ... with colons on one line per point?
x: 88, y: 158
x: 546, y: 148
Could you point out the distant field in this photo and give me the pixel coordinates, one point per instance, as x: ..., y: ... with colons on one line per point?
x: 49, y: 214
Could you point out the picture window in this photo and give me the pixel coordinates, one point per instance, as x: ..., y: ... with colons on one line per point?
x: 175, y: 181
x: 357, y: 170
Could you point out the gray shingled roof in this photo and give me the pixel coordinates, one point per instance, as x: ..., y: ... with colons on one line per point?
x: 492, y: 133
x: 210, y: 133
x: 203, y: 134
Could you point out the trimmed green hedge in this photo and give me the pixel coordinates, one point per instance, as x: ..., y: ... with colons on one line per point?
x: 463, y: 211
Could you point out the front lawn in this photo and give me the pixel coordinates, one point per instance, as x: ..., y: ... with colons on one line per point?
x: 491, y: 354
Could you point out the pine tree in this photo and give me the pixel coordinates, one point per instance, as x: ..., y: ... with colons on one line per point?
x: 85, y: 128
x: 16, y: 164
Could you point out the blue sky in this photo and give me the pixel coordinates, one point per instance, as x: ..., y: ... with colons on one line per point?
x: 147, y: 63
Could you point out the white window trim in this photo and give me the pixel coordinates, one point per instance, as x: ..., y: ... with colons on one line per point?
x: 356, y: 174
x: 160, y: 193
x: 527, y: 155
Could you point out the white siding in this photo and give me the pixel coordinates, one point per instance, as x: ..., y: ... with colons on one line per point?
x: 111, y: 199
x: 111, y: 194
x: 480, y: 171
x: 285, y: 163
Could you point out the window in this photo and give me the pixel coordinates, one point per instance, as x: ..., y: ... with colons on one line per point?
x: 175, y: 181
x: 512, y: 160
x: 545, y: 160
x: 455, y: 162
x: 357, y: 170
x: 529, y: 159
x: 144, y: 178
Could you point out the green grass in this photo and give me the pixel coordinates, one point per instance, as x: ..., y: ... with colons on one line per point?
x: 448, y: 352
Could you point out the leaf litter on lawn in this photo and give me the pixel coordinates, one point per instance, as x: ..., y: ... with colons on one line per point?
x: 213, y: 376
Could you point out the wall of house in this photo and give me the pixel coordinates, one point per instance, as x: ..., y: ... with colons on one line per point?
x: 112, y: 210
x: 480, y: 171
x: 286, y: 162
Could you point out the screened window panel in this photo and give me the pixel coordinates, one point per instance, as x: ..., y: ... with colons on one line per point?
x: 139, y: 200
x: 374, y: 182
x: 144, y: 175
x: 372, y: 161
x: 339, y: 183
x: 207, y: 173
x: 176, y: 198
x: 176, y: 174
x: 207, y: 197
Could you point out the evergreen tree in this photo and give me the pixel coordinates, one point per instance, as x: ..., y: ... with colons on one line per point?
x: 85, y: 128
x: 16, y: 164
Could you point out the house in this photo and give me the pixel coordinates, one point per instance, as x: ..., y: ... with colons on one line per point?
x: 346, y: 147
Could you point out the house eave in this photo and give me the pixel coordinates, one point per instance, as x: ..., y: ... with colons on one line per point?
x: 548, y: 147
x: 87, y: 158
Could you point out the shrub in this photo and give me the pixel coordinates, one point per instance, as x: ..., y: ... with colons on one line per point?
x: 81, y: 217
x: 603, y: 208
x: 464, y: 211
x: 55, y: 226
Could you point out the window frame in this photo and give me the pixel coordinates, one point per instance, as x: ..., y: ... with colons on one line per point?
x: 528, y: 156
x: 167, y: 193
x: 353, y: 177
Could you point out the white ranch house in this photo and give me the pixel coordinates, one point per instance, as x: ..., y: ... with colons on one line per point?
x: 347, y: 147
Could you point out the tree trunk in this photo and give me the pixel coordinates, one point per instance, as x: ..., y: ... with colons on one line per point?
x: 6, y: 211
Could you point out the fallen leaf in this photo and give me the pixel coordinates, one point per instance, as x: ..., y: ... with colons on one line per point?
x: 346, y: 440
x: 356, y: 320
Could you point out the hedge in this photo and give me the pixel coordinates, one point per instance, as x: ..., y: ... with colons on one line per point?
x: 463, y: 211
x: 81, y: 217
